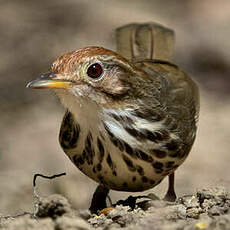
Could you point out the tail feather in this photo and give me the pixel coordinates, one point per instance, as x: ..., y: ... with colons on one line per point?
x: 145, y: 41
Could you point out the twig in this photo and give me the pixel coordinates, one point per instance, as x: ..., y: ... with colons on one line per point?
x: 36, y: 197
x: 35, y: 194
x: 46, y: 177
x: 16, y: 215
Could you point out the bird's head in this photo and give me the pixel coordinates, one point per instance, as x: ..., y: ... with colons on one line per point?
x: 92, y: 74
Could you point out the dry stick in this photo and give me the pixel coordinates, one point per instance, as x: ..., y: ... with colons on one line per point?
x: 16, y: 215
x: 35, y: 194
x: 46, y: 177
x: 36, y: 197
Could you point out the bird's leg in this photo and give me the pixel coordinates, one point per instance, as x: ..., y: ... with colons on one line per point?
x: 171, y: 195
x: 99, y: 199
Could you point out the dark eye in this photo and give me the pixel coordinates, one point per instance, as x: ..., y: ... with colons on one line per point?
x: 95, y: 70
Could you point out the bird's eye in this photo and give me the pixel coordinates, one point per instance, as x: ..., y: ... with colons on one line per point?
x: 95, y: 71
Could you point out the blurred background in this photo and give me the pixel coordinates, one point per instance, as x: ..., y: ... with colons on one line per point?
x: 34, y: 33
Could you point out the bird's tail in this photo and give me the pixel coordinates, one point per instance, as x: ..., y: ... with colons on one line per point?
x: 145, y: 41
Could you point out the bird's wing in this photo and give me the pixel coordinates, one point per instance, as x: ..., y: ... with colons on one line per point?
x: 145, y: 41
x: 178, y: 95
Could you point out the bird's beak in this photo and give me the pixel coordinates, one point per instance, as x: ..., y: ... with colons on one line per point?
x: 47, y: 81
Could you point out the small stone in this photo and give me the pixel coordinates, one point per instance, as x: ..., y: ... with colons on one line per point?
x: 201, y: 225
x: 53, y: 206
x: 189, y: 201
x: 106, y: 211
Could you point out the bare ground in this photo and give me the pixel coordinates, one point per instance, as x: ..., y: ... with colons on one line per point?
x: 206, y: 209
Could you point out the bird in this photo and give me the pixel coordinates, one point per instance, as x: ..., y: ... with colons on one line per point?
x: 131, y: 115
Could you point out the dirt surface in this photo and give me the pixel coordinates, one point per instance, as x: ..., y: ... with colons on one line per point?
x: 34, y: 34
x: 206, y: 209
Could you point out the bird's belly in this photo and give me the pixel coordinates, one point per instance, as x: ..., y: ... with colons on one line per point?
x: 123, y: 152
x: 123, y: 173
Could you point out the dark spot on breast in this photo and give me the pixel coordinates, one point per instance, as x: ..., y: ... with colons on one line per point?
x: 108, y: 130
x: 164, y: 134
x: 74, y: 138
x: 159, y: 153
x: 78, y: 160
x: 116, y: 117
x: 121, y: 119
x: 133, y: 132
x: 85, y: 156
x: 157, y: 165
x: 65, y: 135
x: 129, y: 163
x: 99, y: 167
x: 145, y: 134
x: 149, y: 135
x: 144, y: 179
x: 89, y: 152
x: 128, y: 149
x: 114, y: 173
x: 161, y: 135
x: 143, y: 156
x: 120, y: 145
x: 172, y: 145
x: 100, y: 149
x: 69, y: 132
x: 109, y: 161
x: 127, y: 119
x: 175, y: 154
x: 134, y: 179
x: 116, y: 141
x: 140, y: 170
x: 88, y: 141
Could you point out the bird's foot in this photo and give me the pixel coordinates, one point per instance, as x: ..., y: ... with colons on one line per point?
x: 170, y: 196
x: 99, y: 199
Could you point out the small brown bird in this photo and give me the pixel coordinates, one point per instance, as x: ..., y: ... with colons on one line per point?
x: 131, y: 120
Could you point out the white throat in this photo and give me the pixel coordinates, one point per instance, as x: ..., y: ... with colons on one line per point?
x: 85, y: 111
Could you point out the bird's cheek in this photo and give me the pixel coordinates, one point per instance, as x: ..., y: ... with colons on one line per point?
x: 79, y: 90
x: 116, y: 87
